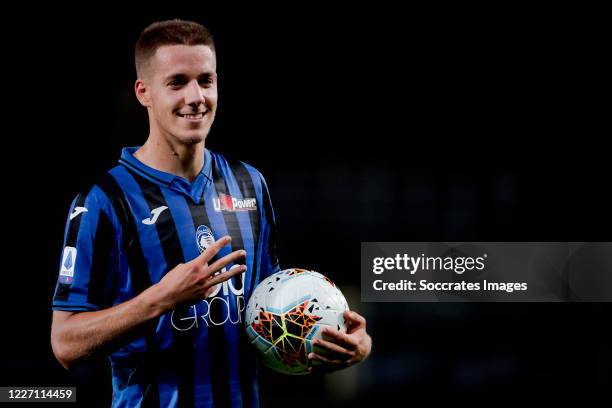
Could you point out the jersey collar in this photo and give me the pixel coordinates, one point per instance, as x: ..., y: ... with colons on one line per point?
x: 195, y: 189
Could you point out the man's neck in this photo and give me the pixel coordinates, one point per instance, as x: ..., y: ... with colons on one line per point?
x: 182, y: 160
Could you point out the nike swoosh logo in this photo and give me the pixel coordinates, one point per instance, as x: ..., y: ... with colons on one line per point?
x: 77, y: 211
x: 154, y: 215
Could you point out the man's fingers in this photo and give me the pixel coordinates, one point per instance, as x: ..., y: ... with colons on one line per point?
x: 354, y: 317
x: 340, y: 338
x: 221, y: 263
x: 222, y: 277
x: 213, y: 250
x: 333, y: 348
x: 320, y: 364
x: 318, y: 357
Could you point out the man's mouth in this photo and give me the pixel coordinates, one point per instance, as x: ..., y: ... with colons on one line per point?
x: 192, y: 116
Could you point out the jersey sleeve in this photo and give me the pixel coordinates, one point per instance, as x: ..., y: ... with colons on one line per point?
x: 89, y: 256
x: 269, y: 261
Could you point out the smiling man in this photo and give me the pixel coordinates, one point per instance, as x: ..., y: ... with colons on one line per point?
x: 159, y: 261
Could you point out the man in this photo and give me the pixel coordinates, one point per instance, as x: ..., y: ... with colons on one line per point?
x: 162, y: 253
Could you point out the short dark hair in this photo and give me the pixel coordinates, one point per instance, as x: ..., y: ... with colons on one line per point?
x: 169, y: 32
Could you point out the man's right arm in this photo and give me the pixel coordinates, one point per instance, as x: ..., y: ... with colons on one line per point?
x: 75, y: 336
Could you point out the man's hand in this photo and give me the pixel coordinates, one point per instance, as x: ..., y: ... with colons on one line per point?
x: 75, y: 336
x: 342, y: 349
x: 193, y: 281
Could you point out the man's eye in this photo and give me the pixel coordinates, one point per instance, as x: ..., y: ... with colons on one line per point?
x: 206, y: 81
x: 175, y: 83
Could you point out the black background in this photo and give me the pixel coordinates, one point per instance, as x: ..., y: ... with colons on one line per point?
x: 369, y: 124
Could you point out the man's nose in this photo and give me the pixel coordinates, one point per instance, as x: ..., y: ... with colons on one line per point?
x: 194, y: 94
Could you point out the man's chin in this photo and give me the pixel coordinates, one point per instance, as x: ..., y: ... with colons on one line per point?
x: 192, y: 139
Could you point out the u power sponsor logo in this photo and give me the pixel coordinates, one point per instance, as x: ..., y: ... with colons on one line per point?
x: 227, y: 203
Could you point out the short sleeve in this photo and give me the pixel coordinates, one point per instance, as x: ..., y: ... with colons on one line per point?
x: 89, y: 254
x: 269, y: 261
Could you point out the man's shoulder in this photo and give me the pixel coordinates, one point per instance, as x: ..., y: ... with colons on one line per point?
x: 101, y: 188
x: 238, y: 167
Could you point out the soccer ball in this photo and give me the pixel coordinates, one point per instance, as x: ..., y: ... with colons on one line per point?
x: 287, y: 311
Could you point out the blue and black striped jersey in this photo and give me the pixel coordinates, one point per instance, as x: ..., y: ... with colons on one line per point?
x: 135, y: 224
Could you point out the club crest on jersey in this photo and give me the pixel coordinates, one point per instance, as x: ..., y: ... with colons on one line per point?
x: 204, y: 238
x: 226, y: 202
x: 68, y: 262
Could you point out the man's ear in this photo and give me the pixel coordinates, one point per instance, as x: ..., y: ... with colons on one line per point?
x: 142, y: 93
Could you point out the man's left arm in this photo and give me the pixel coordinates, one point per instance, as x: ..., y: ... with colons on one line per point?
x: 342, y: 350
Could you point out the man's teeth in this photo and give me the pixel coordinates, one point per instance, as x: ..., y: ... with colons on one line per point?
x: 193, y: 115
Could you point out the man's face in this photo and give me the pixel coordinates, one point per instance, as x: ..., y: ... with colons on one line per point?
x: 182, y: 92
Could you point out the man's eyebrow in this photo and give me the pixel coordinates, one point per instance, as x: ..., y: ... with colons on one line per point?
x: 175, y: 76
x: 205, y: 75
